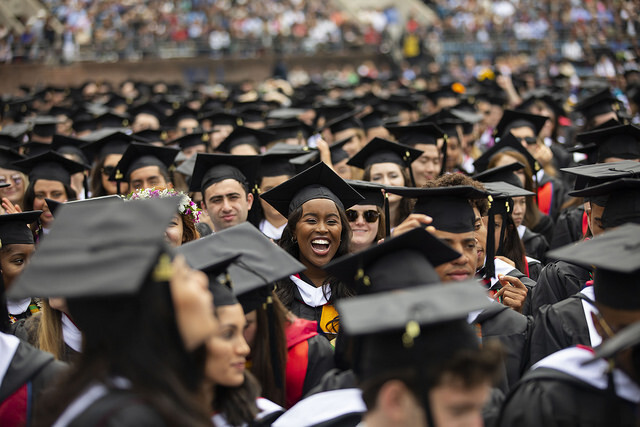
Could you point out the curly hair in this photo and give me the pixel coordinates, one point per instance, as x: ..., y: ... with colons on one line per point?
x: 454, y: 179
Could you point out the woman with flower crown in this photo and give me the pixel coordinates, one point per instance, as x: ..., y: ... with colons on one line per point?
x: 183, y: 225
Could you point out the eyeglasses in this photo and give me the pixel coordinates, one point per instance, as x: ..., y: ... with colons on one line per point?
x: 108, y: 170
x: 16, y: 178
x: 369, y: 216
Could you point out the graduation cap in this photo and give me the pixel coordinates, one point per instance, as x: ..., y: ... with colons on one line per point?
x: 212, y: 168
x: 620, y: 199
x: 54, y: 205
x: 614, y: 255
x: 602, y: 102
x: 422, y: 133
x: 111, y: 120
x: 99, y: 251
x: 182, y: 113
x: 506, y: 144
x: 107, y: 141
x: 288, y: 130
x: 449, y: 207
x: 244, y: 136
x: 373, y: 195
x: 544, y: 95
x: 501, y: 173
x: 300, y: 156
x: 33, y: 148
x: 69, y: 145
x: 51, y: 166
x: 332, y: 110
x: 372, y: 120
x: 317, y: 182
x: 273, y: 164
x: 621, y: 141
x: 221, y: 118
x: 397, y: 263
x: 151, y: 135
x: 139, y: 155
x: 590, y: 175
x: 380, y: 150
x: 338, y: 154
x: 191, y: 140
x: 151, y: 108
x: 285, y: 113
x: 8, y: 157
x: 252, y: 114
x: 14, y: 228
x: 512, y: 119
x: 44, y: 125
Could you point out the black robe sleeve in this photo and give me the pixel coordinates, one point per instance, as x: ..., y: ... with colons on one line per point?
x: 512, y: 329
x: 118, y: 408
x: 558, y: 326
x: 535, y: 245
x: 544, y: 227
x: 320, y: 361
x: 335, y: 379
x: 558, y: 281
x: 529, y: 283
x: 568, y: 227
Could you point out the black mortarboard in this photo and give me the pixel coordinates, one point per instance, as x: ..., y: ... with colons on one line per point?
x: 399, y: 262
x: 181, y: 114
x: 442, y: 93
x: 397, y: 103
x: 33, y: 148
x: 8, y: 157
x: 372, y: 120
x: 554, y: 102
x: 380, y: 150
x: 591, y: 175
x: 301, y: 157
x: 252, y: 114
x: 344, y: 122
x: 54, y: 205
x: 9, y: 141
x: 191, y: 140
x: 507, y: 143
x: 139, y: 155
x: 424, y: 133
x: 614, y: 255
x: 332, y: 110
x: 371, y: 192
x: 51, y: 166
x: 69, y: 145
x: 285, y: 113
x: 514, y: 119
x: 112, y: 120
x: 14, y: 228
x: 221, y: 118
x: 243, y: 135
x: 150, y: 108
x: 594, y: 105
x: 106, y: 141
x: 212, y: 168
x: 620, y: 198
x: 622, y: 141
x: 501, y: 173
x: 99, y: 251
x: 317, y: 182
x: 151, y: 135
x: 44, y: 125
x: 337, y: 150
x: 277, y: 165
x: 449, y: 207
x: 290, y: 129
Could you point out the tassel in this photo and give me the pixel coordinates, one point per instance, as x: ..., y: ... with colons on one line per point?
x: 387, y: 216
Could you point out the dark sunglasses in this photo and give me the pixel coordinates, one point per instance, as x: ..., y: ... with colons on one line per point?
x: 529, y: 140
x: 369, y: 216
x: 108, y: 170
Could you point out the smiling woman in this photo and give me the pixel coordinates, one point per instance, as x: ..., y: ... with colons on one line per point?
x: 317, y: 232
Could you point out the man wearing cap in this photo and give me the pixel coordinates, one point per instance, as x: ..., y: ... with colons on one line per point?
x: 145, y: 166
x: 569, y: 387
x: 227, y: 184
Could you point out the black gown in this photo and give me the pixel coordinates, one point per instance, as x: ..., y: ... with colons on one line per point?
x: 558, y: 195
x: 562, y: 325
x: 544, y: 227
x: 557, y: 281
x: 568, y: 227
x: 535, y: 245
x: 562, y: 392
x: 118, y: 408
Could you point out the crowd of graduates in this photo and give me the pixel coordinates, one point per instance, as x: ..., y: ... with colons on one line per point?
x: 364, y: 253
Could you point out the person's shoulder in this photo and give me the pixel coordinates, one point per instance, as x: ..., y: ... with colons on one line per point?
x: 119, y: 408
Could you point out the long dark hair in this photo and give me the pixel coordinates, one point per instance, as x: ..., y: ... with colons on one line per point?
x: 261, y: 364
x: 135, y: 337
x: 30, y: 194
x: 511, y: 245
x: 288, y: 242
x: 404, y: 210
x: 95, y: 179
x: 238, y: 404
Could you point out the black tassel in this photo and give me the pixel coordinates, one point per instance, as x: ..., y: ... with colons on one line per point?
x: 443, y: 169
x: 387, y: 216
x: 490, y: 250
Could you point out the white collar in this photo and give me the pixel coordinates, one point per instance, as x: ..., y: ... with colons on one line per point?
x: 589, y: 308
x: 322, y: 407
x: 265, y: 406
x: 71, y: 334
x: 521, y: 229
x: 88, y: 397
x: 539, y: 175
x: 16, y: 307
x: 312, y: 296
x: 501, y: 267
x: 570, y: 360
x: 270, y: 230
x: 8, y: 347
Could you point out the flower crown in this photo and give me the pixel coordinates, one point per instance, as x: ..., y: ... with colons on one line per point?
x: 186, y: 207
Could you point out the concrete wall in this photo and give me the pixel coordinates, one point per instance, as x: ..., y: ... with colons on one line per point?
x: 170, y: 70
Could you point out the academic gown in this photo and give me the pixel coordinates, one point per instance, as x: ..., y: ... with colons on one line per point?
x: 502, y: 267
x: 557, y: 192
x: 565, y: 324
x: 544, y: 227
x: 27, y: 330
x: 24, y: 373
x: 512, y: 329
x: 312, y: 303
x: 558, y: 281
x: 570, y: 227
x: 560, y: 391
x: 269, y: 412
x: 535, y: 244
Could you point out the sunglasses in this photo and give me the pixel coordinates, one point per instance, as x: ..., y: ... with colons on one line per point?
x: 369, y: 216
x: 529, y: 140
x: 108, y: 170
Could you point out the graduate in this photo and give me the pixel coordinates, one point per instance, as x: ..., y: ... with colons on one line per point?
x: 227, y: 185
x: 569, y: 387
x: 141, y: 366
x: 317, y: 231
x: 567, y: 322
x: 144, y: 166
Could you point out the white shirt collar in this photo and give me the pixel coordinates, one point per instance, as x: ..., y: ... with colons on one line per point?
x: 8, y: 347
x: 312, y: 296
x: 71, y: 334
x: 270, y: 230
x: 16, y: 307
